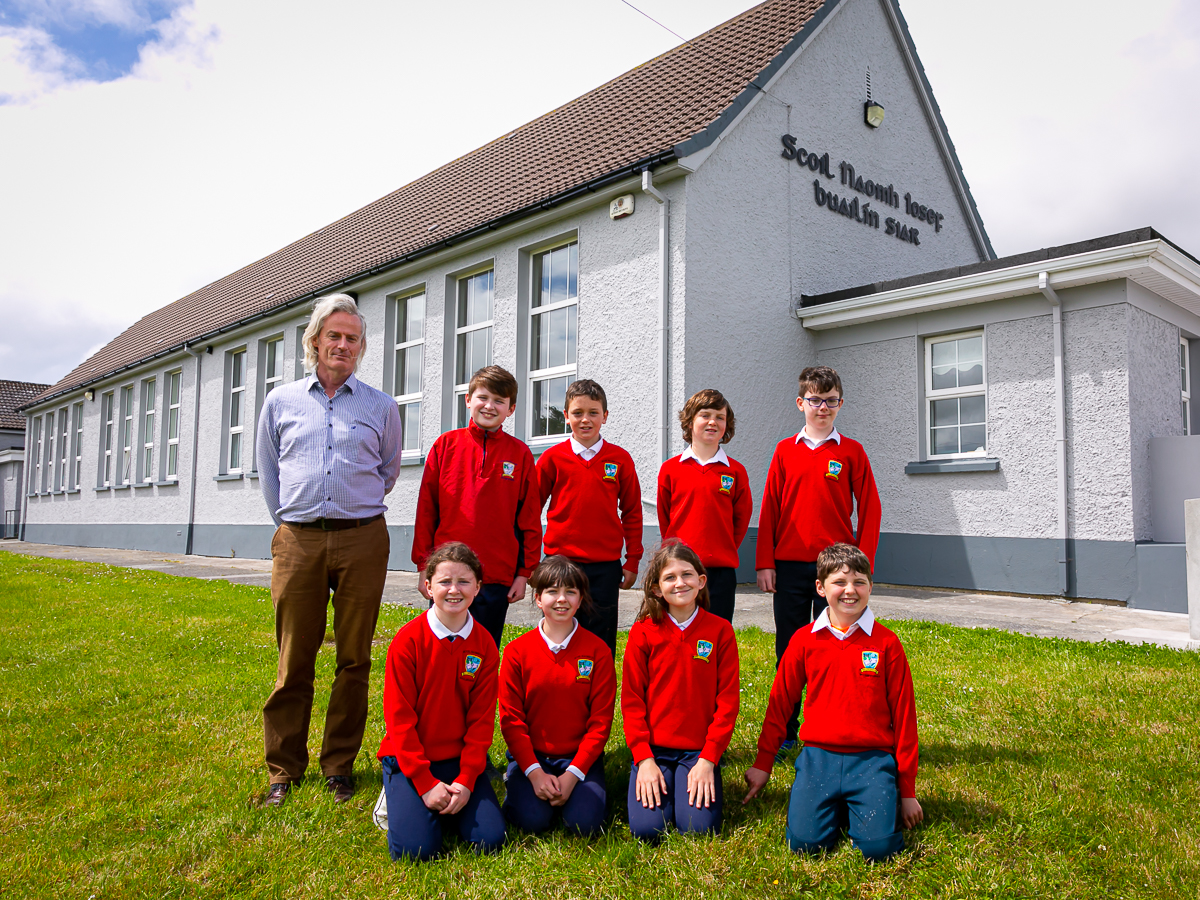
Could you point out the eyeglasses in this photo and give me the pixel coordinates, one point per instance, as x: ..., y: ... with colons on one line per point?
x: 818, y: 402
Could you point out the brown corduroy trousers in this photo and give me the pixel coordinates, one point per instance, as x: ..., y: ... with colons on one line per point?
x: 307, y: 564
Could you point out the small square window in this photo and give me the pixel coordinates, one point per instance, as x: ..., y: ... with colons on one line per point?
x: 956, y: 396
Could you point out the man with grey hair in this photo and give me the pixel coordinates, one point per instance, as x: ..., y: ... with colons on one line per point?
x: 328, y: 451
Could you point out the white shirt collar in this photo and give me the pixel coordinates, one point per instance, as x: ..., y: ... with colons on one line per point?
x: 554, y: 648
x: 719, y: 457
x: 866, y: 622
x: 440, y: 631
x: 834, y: 436
x: 583, y: 452
x: 682, y: 626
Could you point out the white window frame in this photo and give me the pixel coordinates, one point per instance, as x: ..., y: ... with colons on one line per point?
x: 931, y: 394
x: 47, y: 483
x: 60, y: 470
x: 569, y: 370
x: 107, y: 427
x: 126, y: 473
x: 265, y: 383
x: 1185, y: 375
x: 35, y: 471
x: 410, y: 402
x: 235, y: 401
x: 460, y: 388
x: 172, y: 420
x: 146, y: 457
x: 77, y: 446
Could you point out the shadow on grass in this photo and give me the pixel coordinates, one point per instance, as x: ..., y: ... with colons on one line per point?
x: 974, y: 754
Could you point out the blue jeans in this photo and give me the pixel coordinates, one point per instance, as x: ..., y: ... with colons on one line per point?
x: 582, y: 813
x: 651, y: 824
x: 853, y: 790
x: 415, y: 831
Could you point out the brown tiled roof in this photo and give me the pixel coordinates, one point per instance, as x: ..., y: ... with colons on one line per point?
x: 14, y: 395
x: 668, y: 107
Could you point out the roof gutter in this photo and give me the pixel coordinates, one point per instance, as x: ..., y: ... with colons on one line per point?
x: 588, y: 187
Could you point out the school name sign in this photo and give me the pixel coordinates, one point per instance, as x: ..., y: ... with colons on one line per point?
x: 853, y: 207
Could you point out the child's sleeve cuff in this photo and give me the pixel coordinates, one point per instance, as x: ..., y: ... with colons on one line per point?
x: 764, y: 761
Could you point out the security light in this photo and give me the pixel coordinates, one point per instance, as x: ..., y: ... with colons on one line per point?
x: 873, y: 112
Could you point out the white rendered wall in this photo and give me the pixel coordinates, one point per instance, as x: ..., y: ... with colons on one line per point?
x: 756, y: 240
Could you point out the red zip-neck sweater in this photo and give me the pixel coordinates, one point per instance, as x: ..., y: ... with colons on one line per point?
x: 706, y: 507
x: 558, y: 704
x: 809, y: 498
x: 480, y: 487
x: 860, y: 697
x: 439, y: 702
x: 595, y: 505
x: 680, y: 688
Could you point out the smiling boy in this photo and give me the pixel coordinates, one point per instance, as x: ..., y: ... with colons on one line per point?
x: 479, y: 487
x: 859, y: 761
x: 595, y: 507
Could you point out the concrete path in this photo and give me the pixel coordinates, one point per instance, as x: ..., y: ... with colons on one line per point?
x: 1041, y: 616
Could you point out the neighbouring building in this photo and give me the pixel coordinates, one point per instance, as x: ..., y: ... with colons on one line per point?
x: 14, y: 395
x: 703, y: 220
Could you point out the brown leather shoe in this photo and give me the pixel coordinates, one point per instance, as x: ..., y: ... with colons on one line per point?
x: 340, y: 786
x: 277, y: 793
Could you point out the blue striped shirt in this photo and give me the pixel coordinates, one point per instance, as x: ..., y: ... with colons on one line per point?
x: 327, y: 458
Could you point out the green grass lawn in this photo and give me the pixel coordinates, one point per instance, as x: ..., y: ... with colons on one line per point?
x: 131, y: 753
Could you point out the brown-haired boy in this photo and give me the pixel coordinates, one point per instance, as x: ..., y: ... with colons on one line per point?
x: 595, y: 507
x: 704, y: 495
x: 815, y: 481
x: 859, y: 761
x: 479, y: 487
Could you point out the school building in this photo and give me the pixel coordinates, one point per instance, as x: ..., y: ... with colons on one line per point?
x: 779, y: 192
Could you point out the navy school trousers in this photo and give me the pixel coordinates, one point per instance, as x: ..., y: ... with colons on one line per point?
x: 415, y: 831
x: 604, y: 584
x: 651, y: 824
x: 583, y: 812
x: 795, y: 604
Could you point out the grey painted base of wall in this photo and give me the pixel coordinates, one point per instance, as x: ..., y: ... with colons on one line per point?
x: 1142, y: 575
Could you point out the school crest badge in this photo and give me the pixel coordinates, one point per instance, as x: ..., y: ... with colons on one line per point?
x: 471, y: 665
x: 726, y: 484
x: 834, y: 470
x: 583, y: 670
x: 703, y: 650
x: 507, y: 470
x: 870, y: 661
x: 610, y: 471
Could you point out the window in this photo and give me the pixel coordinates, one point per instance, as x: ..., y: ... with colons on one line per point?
x: 174, y: 380
x: 64, y: 432
x: 126, y: 435
x: 236, y: 379
x: 273, y: 370
x: 77, y: 446
x: 35, y: 471
x: 472, y: 335
x: 270, y: 376
x: 48, y: 442
x: 146, y: 464
x: 407, y: 367
x: 1185, y: 384
x: 106, y: 440
x: 955, y: 394
x: 300, y: 351
x: 553, y: 324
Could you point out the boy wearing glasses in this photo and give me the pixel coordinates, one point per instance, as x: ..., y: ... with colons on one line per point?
x: 815, y: 481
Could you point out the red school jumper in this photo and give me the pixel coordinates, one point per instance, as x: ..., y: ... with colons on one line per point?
x: 479, y: 487
x: 558, y: 704
x: 680, y: 688
x: 595, y: 505
x: 808, y: 500
x: 860, y: 697
x: 439, y: 702
x: 706, y: 507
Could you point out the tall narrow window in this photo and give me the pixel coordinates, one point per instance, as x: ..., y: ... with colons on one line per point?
x: 106, y: 439
x: 64, y: 433
x: 473, y: 335
x: 237, y: 412
x: 956, y: 395
x: 48, y: 442
x: 148, y: 400
x: 35, y: 471
x: 410, y: 355
x: 77, y: 449
x: 273, y: 374
x: 126, y: 475
x: 173, y: 388
x: 1185, y: 384
x: 553, y: 324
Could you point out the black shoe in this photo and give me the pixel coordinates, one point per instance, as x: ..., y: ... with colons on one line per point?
x: 277, y: 793
x: 340, y: 786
